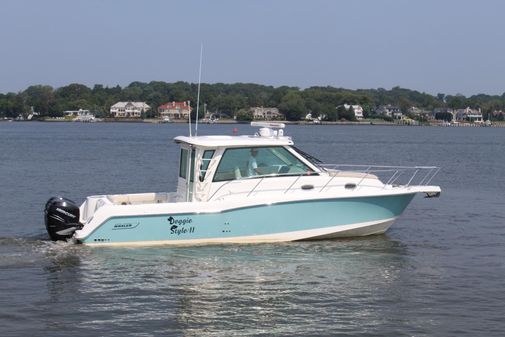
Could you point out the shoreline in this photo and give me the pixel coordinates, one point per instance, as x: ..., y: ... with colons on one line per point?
x: 373, y: 122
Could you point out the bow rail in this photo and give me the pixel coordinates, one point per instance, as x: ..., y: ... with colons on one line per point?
x: 390, y: 176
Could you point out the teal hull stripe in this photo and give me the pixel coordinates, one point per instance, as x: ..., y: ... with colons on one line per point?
x: 250, y: 221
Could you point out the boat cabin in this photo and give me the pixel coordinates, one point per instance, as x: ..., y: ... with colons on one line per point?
x: 209, y: 162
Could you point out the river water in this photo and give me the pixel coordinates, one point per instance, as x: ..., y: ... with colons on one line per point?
x: 439, y: 271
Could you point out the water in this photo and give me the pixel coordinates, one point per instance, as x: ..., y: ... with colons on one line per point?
x: 439, y: 271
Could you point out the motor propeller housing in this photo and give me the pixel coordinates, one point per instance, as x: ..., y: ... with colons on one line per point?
x: 62, y: 218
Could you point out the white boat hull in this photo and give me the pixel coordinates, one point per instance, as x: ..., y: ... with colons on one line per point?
x: 273, y: 222
x: 354, y: 230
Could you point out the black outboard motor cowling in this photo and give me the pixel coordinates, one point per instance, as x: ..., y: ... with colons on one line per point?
x: 62, y: 218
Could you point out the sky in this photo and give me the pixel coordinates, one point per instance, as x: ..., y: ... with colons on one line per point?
x: 433, y: 46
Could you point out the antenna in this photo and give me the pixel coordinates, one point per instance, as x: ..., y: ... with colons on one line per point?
x: 189, y: 117
x: 198, y: 95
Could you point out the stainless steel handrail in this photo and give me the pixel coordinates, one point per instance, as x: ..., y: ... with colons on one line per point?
x: 367, y: 170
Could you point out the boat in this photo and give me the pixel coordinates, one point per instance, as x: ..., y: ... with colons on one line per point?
x: 85, y: 118
x: 246, y: 189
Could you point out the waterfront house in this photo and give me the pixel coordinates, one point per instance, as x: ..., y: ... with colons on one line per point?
x: 175, y: 110
x: 420, y: 113
x: 266, y: 113
x: 389, y: 111
x: 358, y: 110
x: 414, y: 110
x: 129, y: 109
x: 469, y: 115
x: 498, y: 114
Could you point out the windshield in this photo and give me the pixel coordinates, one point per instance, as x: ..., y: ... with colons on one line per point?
x: 309, y: 157
x: 252, y: 162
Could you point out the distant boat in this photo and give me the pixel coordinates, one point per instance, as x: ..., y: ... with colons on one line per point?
x: 165, y: 119
x: 87, y: 118
x: 212, y: 119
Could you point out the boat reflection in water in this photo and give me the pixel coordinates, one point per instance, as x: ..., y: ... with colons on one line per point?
x: 283, y: 288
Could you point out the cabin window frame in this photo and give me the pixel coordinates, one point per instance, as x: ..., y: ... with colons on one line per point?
x: 310, y: 170
x: 205, y: 162
x: 184, y: 170
x: 183, y: 163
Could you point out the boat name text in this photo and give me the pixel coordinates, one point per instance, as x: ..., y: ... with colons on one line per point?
x: 177, y: 224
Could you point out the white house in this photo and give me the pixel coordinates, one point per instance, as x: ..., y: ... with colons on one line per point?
x: 129, y: 109
x: 266, y: 113
x: 175, y: 110
x: 358, y: 110
x: 471, y: 115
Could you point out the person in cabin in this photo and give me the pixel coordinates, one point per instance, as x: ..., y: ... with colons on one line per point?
x: 252, y: 164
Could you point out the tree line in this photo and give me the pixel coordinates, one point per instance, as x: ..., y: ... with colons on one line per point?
x: 229, y: 99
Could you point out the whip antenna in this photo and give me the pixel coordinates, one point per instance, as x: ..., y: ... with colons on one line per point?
x: 189, y: 117
x: 198, y: 95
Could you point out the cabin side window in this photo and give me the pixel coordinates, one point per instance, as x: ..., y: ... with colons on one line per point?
x: 206, y: 158
x: 192, y: 166
x: 183, y: 164
x: 253, y: 162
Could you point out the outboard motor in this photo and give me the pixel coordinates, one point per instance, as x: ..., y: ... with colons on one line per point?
x: 62, y: 218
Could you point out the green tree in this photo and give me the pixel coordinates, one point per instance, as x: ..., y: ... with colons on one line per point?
x: 228, y: 104
x: 72, y: 97
x: 457, y: 102
x: 244, y: 115
x: 292, y: 106
x: 132, y: 93
x: 40, y: 97
x: 345, y: 114
x: 230, y: 98
x: 73, y: 91
x: 329, y: 111
x: 11, y: 105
